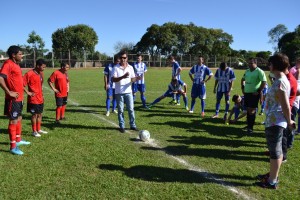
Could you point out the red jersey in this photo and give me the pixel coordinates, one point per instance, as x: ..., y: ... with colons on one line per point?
x: 61, y: 82
x: 294, y: 85
x: 12, y: 74
x: 34, y: 82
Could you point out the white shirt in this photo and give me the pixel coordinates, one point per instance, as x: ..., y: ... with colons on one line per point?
x: 124, y: 85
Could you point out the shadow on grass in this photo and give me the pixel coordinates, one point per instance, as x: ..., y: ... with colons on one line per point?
x: 163, y: 174
x: 222, y: 154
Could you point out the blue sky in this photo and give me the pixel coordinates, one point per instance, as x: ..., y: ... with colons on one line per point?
x: 248, y: 21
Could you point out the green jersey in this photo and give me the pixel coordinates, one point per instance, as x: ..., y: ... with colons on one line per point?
x: 253, y: 79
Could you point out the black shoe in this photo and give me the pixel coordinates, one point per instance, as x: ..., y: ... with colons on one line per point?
x: 268, y: 185
x: 122, y: 130
x: 134, y: 129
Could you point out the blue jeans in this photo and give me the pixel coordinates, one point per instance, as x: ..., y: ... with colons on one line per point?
x: 128, y: 100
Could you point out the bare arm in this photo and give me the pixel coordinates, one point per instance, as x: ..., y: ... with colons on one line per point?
x: 285, y: 106
x: 105, y: 82
x: 52, y: 86
x: 6, y: 90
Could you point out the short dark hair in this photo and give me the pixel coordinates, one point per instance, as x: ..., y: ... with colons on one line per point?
x: 223, y: 65
x: 235, y: 97
x: 13, y: 50
x: 170, y: 57
x: 40, y: 62
x: 63, y: 64
x: 253, y: 60
x: 279, y: 61
x: 122, y: 53
x: 138, y: 55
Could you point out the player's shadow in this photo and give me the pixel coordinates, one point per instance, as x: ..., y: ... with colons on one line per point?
x: 223, y: 154
x: 202, y: 140
x: 163, y: 174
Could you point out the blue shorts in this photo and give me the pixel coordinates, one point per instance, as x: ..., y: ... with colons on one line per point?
x: 110, y: 92
x: 274, y: 136
x: 138, y: 87
x: 168, y: 94
x: 220, y: 95
x: 198, y: 90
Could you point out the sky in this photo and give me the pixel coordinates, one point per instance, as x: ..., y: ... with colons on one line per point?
x: 126, y: 21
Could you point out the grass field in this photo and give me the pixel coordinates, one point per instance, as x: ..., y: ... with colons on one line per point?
x: 189, y: 157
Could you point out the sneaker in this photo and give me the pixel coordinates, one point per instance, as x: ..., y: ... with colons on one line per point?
x: 191, y: 111
x: 22, y: 142
x: 134, y: 128
x: 16, y: 151
x: 187, y: 108
x: 107, y: 113
x: 115, y: 111
x: 268, y: 185
x: 122, y: 130
x: 215, y: 116
x: 202, y: 114
x: 36, y: 134
x: 284, y: 160
x: 42, y: 132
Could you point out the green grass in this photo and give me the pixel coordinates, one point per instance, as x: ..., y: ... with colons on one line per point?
x: 87, y: 158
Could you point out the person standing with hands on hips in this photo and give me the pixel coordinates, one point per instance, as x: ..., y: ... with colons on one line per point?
x: 123, y: 76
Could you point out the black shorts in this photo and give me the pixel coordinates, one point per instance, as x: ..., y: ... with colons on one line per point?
x: 35, y: 108
x: 61, y: 101
x: 251, y: 100
x: 13, y: 109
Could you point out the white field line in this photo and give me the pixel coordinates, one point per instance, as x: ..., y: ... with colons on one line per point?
x: 152, y: 143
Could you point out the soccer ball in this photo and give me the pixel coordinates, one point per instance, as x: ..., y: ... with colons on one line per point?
x: 144, y: 135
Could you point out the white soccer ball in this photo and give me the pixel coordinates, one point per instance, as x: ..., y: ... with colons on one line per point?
x: 144, y: 135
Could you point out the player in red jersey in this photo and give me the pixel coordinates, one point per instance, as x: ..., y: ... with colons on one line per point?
x: 11, y: 81
x: 59, y: 83
x: 33, y: 79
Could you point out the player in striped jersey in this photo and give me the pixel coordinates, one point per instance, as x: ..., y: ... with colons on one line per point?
x: 109, y: 86
x: 140, y: 69
x: 198, y: 74
x: 224, y: 78
x: 175, y: 87
x: 176, y: 70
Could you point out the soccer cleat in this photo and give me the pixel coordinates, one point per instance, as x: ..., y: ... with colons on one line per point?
x: 178, y: 104
x: 191, y: 111
x: 202, y: 114
x: 16, y: 151
x: 187, y: 108
x: 263, y: 177
x: 215, y: 116
x: 115, y: 111
x: 268, y: 185
x: 107, y: 113
x: 261, y: 113
x: 36, y: 134
x: 42, y: 132
x: 22, y: 142
x: 173, y: 102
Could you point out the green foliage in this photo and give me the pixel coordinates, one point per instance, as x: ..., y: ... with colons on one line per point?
x: 276, y: 33
x: 178, y: 39
x: 290, y: 44
x: 76, y: 39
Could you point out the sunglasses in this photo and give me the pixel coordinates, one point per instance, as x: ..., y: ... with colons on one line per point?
x: 124, y: 57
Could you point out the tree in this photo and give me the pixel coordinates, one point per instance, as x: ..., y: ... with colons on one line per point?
x: 123, y: 46
x: 275, y: 34
x: 289, y: 44
x: 37, y: 43
x: 77, y: 39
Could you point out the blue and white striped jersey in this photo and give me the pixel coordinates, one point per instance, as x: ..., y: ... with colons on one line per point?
x: 200, y: 72
x: 108, y: 71
x: 175, y: 67
x: 140, y: 69
x: 174, y: 88
x: 224, y: 79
